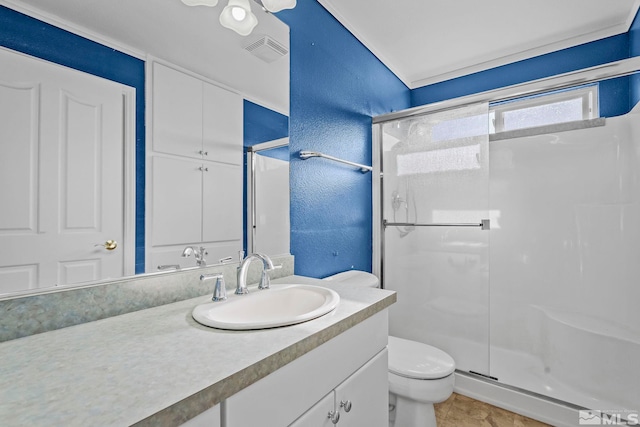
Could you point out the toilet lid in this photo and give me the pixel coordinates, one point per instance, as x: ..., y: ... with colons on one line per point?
x: 417, y: 360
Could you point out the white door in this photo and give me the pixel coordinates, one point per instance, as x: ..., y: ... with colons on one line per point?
x: 61, y: 175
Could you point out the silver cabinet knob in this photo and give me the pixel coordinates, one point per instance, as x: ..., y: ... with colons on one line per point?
x: 334, y: 416
x: 346, y: 404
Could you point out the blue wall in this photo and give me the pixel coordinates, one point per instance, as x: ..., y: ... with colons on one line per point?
x: 634, y: 50
x: 617, y: 96
x: 583, y: 56
x: 337, y: 85
x: 261, y: 124
x: 25, y: 34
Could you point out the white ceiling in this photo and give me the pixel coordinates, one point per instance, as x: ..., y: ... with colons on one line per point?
x: 190, y: 37
x: 421, y: 41
x: 426, y: 41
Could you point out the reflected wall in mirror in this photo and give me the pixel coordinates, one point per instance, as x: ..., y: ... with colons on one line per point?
x: 112, y: 42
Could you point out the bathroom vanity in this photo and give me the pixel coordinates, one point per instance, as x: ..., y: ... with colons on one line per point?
x: 159, y: 367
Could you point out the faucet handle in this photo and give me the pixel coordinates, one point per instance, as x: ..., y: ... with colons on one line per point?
x: 220, y: 289
x: 265, y: 280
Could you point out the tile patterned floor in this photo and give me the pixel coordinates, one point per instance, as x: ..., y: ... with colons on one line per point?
x: 462, y: 411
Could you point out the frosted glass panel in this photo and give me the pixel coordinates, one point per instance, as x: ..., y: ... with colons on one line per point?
x: 541, y: 115
x: 436, y: 172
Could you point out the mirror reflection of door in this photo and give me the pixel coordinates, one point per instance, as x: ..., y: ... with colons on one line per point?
x: 61, y: 168
x: 269, y: 198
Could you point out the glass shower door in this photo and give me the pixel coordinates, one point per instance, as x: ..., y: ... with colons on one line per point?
x: 435, y: 249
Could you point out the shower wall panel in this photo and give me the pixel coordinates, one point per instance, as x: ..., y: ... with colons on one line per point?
x: 564, y: 262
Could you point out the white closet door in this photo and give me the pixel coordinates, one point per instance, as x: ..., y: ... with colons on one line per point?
x: 177, y: 112
x: 177, y: 201
x: 222, y: 117
x: 61, y: 157
x: 222, y: 203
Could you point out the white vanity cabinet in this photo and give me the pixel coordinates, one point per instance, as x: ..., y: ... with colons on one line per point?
x: 209, y: 418
x: 194, y: 168
x: 362, y: 400
x: 350, y: 367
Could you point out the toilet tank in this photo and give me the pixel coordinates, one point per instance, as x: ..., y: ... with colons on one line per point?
x: 355, y: 278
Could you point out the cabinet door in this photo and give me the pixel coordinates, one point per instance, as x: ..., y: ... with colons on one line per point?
x: 222, y: 203
x: 367, y: 391
x: 222, y: 125
x: 317, y: 416
x: 209, y: 418
x: 177, y: 112
x: 177, y: 201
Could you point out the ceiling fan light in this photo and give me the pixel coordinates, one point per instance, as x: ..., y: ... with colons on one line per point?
x: 237, y: 16
x: 210, y: 3
x: 278, y: 5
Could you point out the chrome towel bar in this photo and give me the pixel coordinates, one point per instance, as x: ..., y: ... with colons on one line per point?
x: 484, y: 224
x: 304, y: 155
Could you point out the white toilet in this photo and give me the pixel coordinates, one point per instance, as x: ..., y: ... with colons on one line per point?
x: 419, y: 374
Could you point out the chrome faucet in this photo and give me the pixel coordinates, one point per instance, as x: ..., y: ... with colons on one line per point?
x: 198, y: 253
x: 265, y: 282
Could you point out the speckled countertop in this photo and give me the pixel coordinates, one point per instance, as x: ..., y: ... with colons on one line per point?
x: 156, y: 366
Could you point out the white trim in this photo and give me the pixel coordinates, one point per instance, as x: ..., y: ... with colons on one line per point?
x: 129, y: 168
x: 632, y: 16
x: 376, y: 204
x: 76, y: 29
x: 148, y: 160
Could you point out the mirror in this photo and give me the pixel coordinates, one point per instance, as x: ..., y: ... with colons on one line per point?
x: 127, y: 34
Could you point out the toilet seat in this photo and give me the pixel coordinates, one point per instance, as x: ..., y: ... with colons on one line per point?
x: 416, y: 360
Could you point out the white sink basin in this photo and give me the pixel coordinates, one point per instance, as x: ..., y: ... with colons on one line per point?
x: 281, y: 305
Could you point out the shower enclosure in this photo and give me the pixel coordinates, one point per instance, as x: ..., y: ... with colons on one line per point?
x: 516, y: 247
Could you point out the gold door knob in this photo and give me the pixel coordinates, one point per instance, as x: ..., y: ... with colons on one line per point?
x: 109, y: 245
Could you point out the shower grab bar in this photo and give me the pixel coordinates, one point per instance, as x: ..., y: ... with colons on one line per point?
x: 304, y: 155
x: 484, y: 224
